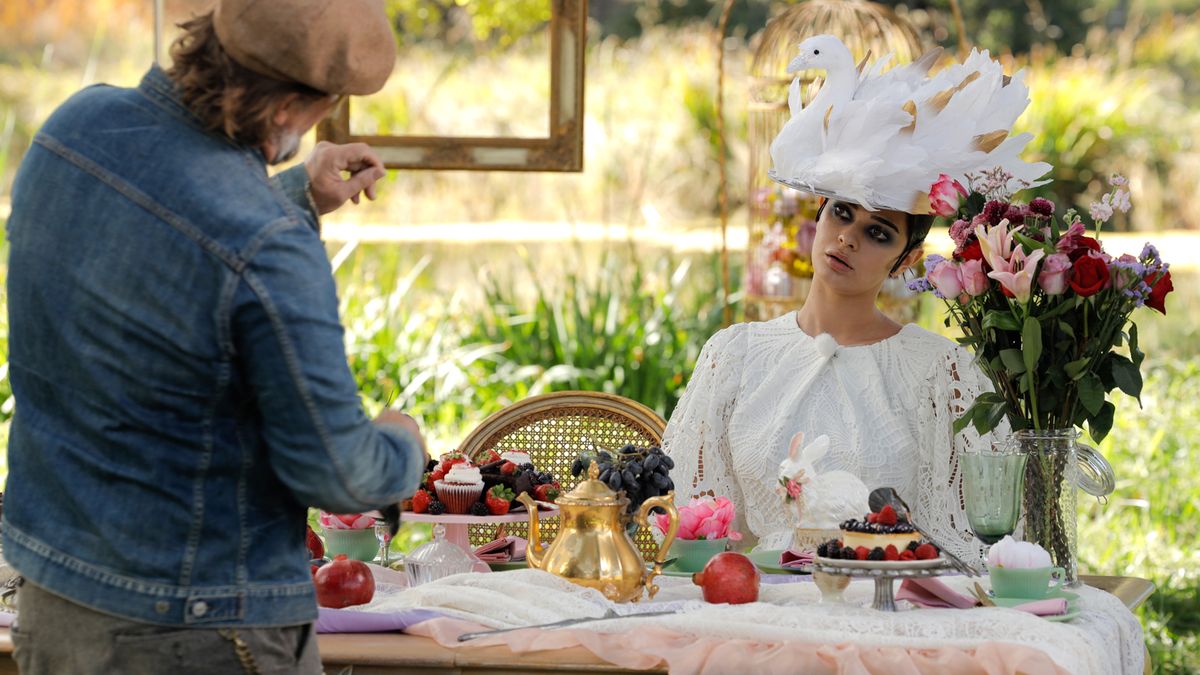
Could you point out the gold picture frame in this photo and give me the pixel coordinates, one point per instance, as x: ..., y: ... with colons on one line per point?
x: 560, y: 150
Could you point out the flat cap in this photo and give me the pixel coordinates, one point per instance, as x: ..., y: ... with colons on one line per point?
x: 334, y: 46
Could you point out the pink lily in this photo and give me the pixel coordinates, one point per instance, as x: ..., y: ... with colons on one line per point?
x: 1019, y: 281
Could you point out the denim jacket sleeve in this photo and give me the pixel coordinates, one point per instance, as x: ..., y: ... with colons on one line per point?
x: 294, y: 183
x: 291, y: 353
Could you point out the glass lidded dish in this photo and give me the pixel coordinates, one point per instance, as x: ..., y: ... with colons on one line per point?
x: 436, y: 559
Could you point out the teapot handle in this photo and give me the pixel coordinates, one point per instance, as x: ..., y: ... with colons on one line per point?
x: 667, y: 502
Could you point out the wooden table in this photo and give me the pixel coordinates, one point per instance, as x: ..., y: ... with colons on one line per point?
x: 399, y: 654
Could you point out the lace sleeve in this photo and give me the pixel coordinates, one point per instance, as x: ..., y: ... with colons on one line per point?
x: 697, y: 437
x: 940, y: 506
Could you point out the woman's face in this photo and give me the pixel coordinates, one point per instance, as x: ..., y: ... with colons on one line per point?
x: 855, y: 249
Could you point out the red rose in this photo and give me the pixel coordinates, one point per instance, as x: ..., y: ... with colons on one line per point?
x: 1158, y: 292
x: 1082, y: 246
x: 1089, y: 276
x: 971, y: 251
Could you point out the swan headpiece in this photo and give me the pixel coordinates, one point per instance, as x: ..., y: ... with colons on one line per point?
x: 880, y: 139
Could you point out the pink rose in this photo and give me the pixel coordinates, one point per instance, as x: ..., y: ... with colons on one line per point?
x: 974, y: 280
x: 1056, y: 274
x: 945, y: 196
x: 946, y: 280
x: 793, y: 489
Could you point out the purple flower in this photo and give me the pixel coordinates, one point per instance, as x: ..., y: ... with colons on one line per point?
x: 1042, y: 207
x: 1150, y: 254
x: 1016, y: 214
x: 994, y: 211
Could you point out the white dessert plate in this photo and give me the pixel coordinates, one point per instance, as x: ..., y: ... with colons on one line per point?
x: 932, y: 563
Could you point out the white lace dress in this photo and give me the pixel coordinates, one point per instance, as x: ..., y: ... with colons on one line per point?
x: 888, y: 409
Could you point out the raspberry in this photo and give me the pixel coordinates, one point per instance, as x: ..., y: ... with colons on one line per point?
x: 861, y: 553
x: 907, y: 555
x: 872, y: 517
x: 436, y: 508
x: 926, y: 552
x: 890, y: 553
x: 887, y: 515
x: 421, y: 501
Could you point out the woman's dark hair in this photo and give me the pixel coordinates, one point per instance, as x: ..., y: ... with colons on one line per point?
x: 918, y: 228
x: 228, y: 98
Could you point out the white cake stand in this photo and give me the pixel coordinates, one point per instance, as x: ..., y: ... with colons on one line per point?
x: 456, y: 525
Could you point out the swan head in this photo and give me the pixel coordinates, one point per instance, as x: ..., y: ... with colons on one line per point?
x: 821, y: 52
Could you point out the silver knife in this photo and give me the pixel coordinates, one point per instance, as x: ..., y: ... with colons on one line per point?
x: 609, y: 614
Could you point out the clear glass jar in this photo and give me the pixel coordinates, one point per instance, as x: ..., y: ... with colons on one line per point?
x: 436, y: 559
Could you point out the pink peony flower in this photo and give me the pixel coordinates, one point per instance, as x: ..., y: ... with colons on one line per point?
x: 1056, y: 274
x: 703, y: 519
x: 945, y: 196
x: 945, y: 279
x: 974, y: 280
x: 345, y: 521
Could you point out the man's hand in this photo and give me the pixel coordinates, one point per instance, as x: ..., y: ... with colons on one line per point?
x: 398, y: 419
x: 327, y: 165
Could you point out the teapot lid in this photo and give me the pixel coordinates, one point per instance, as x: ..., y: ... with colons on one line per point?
x: 593, y: 492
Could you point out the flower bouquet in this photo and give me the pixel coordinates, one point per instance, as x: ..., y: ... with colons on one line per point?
x: 705, y: 528
x: 1047, y: 312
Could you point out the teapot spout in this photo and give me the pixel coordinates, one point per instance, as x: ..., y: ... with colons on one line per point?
x: 535, y: 550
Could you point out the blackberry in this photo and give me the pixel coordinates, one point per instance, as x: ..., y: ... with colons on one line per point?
x: 834, y: 551
x: 823, y: 550
x: 480, y: 509
x: 912, y: 545
x: 875, y: 554
x: 849, y: 554
x: 526, y: 467
x: 436, y: 508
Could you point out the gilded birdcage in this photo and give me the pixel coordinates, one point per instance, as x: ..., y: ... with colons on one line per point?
x: 778, y: 269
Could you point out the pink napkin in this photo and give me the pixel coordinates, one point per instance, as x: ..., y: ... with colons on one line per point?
x: 792, y: 558
x: 502, y: 550
x: 933, y: 592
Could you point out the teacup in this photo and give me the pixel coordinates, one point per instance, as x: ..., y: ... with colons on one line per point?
x: 1032, y: 582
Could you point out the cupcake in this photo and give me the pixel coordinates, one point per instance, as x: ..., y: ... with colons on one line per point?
x: 460, y: 488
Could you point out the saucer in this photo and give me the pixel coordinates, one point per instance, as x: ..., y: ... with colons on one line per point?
x: 768, y: 561
x: 670, y: 571
x: 1071, y: 598
x: 508, y: 565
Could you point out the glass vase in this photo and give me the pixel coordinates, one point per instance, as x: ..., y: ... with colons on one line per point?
x: 1051, y: 475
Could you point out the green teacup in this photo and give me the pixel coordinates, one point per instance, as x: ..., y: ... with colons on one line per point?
x: 691, y: 555
x: 356, y: 544
x: 1032, y: 582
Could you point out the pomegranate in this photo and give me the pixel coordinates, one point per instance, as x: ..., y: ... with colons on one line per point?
x: 315, y: 548
x: 728, y: 577
x: 343, y: 583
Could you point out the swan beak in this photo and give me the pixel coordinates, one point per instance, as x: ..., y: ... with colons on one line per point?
x: 797, y: 64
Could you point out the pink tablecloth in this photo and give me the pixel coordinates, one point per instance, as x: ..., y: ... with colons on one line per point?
x: 650, y: 646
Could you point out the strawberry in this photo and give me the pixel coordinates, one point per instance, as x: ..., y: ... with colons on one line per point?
x: 886, y: 516
x: 926, y: 551
x: 498, y: 500
x: 861, y: 553
x: 420, y: 501
x: 872, y: 517
x: 890, y: 553
x: 316, y: 549
x: 508, y: 468
x: 312, y: 569
x: 547, y: 492
x: 450, y: 459
x: 492, y: 456
x: 907, y: 555
x: 433, y: 477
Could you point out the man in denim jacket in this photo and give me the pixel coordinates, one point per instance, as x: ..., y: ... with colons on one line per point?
x: 176, y: 356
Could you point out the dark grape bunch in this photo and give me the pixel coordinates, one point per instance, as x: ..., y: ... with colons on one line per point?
x: 640, y: 473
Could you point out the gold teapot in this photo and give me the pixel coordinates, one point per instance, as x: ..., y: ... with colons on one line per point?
x: 592, y: 547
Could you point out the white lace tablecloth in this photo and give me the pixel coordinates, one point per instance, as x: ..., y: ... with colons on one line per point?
x: 1105, y: 638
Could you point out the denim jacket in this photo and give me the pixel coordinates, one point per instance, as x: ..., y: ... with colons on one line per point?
x: 181, y: 383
